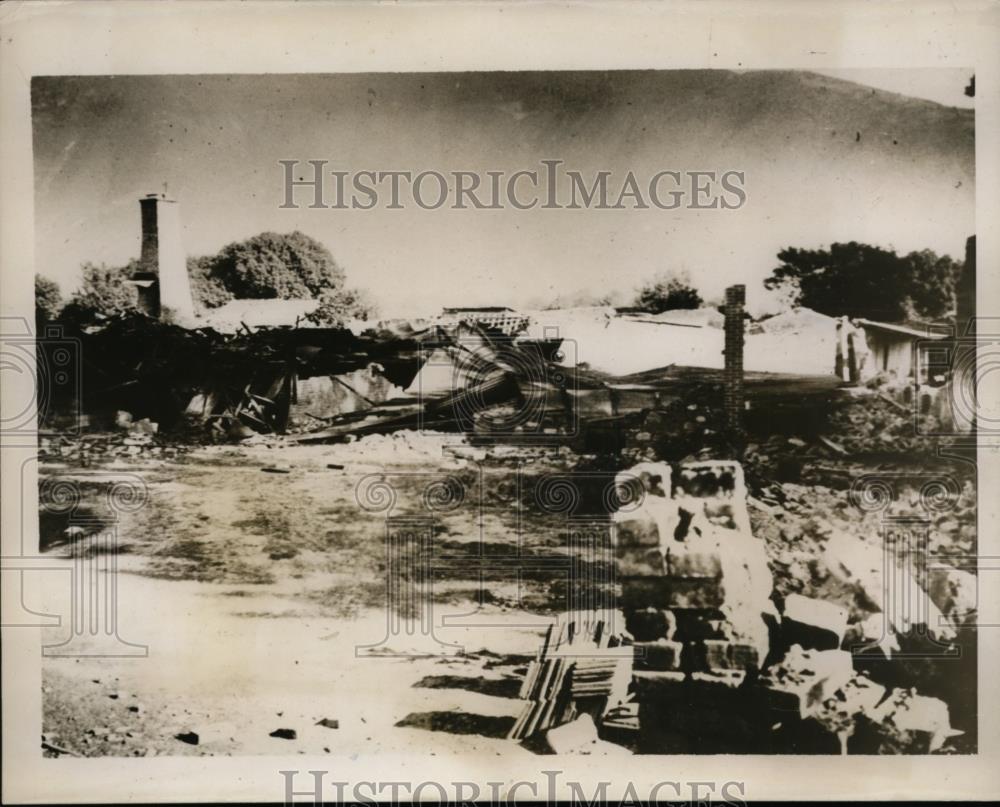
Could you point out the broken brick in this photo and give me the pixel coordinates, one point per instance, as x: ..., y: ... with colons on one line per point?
x: 813, y: 624
x: 659, y: 655
x: 572, y: 737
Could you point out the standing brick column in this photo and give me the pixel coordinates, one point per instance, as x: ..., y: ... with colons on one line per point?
x: 733, y: 373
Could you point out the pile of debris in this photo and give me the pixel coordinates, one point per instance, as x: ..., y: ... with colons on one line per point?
x: 581, y: 673
x: 718, y: 660
x: 134, y: 440
x: 820, y: 544
x: 404, y: 447
x: 875, y: 423
x: 685, y: 424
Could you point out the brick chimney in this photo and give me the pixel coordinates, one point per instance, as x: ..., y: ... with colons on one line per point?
x: 732, y: 376
x: 162, y: 279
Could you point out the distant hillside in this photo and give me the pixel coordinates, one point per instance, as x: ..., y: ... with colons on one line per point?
x: 825, y: 160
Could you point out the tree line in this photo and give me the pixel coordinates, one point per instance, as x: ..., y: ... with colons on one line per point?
x: 266, y: 266
x: 846, y: 279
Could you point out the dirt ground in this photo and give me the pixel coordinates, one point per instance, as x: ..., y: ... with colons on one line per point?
x: 252, y: 589
x: 256, y: 575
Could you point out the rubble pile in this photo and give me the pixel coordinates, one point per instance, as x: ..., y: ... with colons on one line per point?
x: 401, y: 447
x: 904, y: 722
x: 838, y: 709
x: 134, y: 440
x: 723, y: 658
x: 695, y: 581
x: 821, y: 545
x: 680, y: 426
x: 877, y: 424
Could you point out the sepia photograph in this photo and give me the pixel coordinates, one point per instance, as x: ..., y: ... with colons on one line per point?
x: 503, y: 416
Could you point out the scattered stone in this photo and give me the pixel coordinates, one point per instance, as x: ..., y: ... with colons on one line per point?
x: 328, y: 723
x: 572, y: 737
x: 283, y: 734
x: 144, y: 427
x: 813, y: 624
x: 907, y: 723
x: 804, y: 679
x: 188, y: 737
x: 859, y: 564
x: 954, y: 591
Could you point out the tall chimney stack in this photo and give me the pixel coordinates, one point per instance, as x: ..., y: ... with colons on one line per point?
x: 163, y: 277
x: 732, y: 376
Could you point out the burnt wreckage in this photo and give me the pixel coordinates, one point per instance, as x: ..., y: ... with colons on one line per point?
x: 725, y: 645
x: 711, y: 657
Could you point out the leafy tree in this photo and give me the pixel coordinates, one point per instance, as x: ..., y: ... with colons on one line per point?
x: 666, y: 292
x: 207, y: 290
x: 48, y: 299
x: 933, y: 283
x: 105, y: 292
x: 269, y: 265
x: 337, y: 307
x: 860, y: 280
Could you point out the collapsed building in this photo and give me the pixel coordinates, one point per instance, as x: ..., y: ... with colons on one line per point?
x: 261, y: 366
x: 712, y: 655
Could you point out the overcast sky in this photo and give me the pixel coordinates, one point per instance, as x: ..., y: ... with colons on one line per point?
x: 825, y: 160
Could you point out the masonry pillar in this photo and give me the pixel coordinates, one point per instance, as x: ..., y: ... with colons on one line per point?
x: 733, y: 397
x: 162, y: 279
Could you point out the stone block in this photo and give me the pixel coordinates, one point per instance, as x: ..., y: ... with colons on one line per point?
x: 718, y: 491
x: 747, y: 630
x: 716, y: 654
x: 916, y: 723
x: 640, y: 562
x: 805, y: 679
x: 650, y: 624
x: 746, y: 576
x: 654, y: 479
x: 670, y: 592
x: 744, y: 656
x: 637, y: 529
x: 660, y: 655
x: 813, y: 624
x: 954, y: 591
x: 639, y: 593
x: 722, y: 655
x: 711, y: 479
x: 572, y: 737
x: 693, y: 592
x: 691, y: 559
x: 862, y: 695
